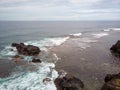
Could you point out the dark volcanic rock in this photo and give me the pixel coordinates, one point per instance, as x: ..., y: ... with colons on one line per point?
x: 36, y: 60
x: 14, y: 44
x: 29, y: 50
x: 116, y: 49
x: 112, y: 82
x: 69, y: 82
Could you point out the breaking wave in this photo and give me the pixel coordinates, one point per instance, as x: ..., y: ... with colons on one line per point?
x: 34, y: 80
x: 99, y: 35
x: 75, y: 35
x: 112, y: 29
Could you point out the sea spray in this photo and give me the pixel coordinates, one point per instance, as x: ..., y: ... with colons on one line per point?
x: 99, y: 35
x: 33, y: 80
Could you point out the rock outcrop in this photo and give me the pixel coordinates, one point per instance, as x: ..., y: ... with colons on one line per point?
x: 69, y: 82
x: 36, y: 60
x: 46, y: 80
x: 28, y: 50
x: 112, y: 82
x: 17, y: 57
x: 115, y: 49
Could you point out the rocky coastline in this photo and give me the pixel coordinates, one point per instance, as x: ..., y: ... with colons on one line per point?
x: 67, y: 81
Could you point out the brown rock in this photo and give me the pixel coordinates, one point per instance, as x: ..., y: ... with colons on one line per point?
x: 28, y: 50
x: 36, y: 60
x: 69, y: 82
x: 17, y: 58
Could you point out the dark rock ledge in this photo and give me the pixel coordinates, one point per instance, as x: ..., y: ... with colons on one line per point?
x: 112, y: 82
x: 28, y: 50
x: 68, y: 82
x: 115, y: 49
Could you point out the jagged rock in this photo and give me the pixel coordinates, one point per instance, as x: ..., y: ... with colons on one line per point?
x: 17, y: 58
x: 112, y: 82
x: 11, y: 50
x: 46, y: 80
x: 28, y: 50
x: 36, y: 60
x: 69, y: 82
x: 116, y: 49
x: 14, y: 44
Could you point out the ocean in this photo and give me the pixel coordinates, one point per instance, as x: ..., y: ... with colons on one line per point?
x: 13, y: 31
x: 48, y: 36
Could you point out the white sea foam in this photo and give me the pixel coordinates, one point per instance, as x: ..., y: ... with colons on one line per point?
x: 112, y: 29
x: 48, y: 42
x: 84, y: 43
x: 107, y: 30
x: 99, y: 35
x: 42, y: 44
x: 49, y: 56
x: 62, y: 73
x: 32, y: 80
x: 116, y: 29
x: 75, y: 35
x: 8, y: 51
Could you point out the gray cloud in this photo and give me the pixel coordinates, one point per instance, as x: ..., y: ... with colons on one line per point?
x: 107, y: 4
x: 59, y: 9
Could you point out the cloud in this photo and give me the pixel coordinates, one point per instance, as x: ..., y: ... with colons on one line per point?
x: 59, y: 9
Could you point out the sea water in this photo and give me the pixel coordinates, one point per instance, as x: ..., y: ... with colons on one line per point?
x: 45, y: 35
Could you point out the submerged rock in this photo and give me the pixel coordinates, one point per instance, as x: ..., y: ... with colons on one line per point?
x: 36, y: 60
x: 28, y: 50
x: 17, y: 57
x: 69, y: 82
x: 112, y: 82
x: 116, y: 49
x: 46, y: 80
x: 19, y: 60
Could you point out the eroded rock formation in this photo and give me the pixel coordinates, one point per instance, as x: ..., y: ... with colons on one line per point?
x: 28, y: 50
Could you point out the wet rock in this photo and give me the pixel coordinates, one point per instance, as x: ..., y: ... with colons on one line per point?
x: 11, y: 50
x: 18, y: 60
x: 36, y: 60
x: 28, y: 50
x: 115, y: 49
x: 112, y: 82
x: 14, y: 44
x: 46, y: 80
x: 69, y: 82
x: 17, y: 57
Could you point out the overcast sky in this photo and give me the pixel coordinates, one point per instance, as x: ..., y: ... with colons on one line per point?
x: 59, y: 10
